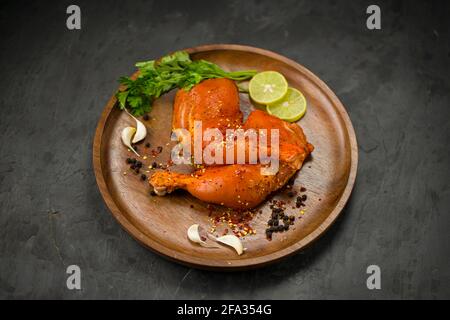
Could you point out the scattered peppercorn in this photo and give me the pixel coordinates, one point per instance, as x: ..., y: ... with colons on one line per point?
x: 138, y: 164
x: 299, y: 202
x: 146, y: 117
x: 302, y: 189
x: 152, y: 193
x: 136, y: 170
x: 159, y: 149
x: 154, y: 165
x: 129, y: 160
x: 304, y: 197
x: 143, y: 177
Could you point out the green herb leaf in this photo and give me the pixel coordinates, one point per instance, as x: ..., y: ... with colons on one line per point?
x: 176, y: 70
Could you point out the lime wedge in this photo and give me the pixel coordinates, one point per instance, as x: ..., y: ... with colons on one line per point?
x: 267, y: 87
x: 290, y: 108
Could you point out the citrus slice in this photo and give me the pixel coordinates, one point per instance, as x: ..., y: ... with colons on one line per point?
x: 267, y: 87
x: 290, y: 108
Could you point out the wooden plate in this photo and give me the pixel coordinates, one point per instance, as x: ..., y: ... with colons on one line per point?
x: 160, y: 223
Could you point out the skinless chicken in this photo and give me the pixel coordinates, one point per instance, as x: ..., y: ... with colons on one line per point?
x: 215, y: 102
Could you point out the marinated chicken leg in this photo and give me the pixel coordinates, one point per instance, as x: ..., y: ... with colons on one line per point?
x: 240, y: 186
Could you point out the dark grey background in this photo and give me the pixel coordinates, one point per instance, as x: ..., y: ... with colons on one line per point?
x: 393, y: 82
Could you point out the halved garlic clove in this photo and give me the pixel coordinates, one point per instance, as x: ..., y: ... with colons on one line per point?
x: 141, y: 130
x: 232, y: 241
x: 127, y: 135
x: 197, y: 234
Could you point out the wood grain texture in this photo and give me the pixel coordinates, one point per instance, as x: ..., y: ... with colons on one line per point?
x: 160, y: 223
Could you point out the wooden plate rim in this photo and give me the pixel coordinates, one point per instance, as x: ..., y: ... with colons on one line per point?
x: 237, y: 264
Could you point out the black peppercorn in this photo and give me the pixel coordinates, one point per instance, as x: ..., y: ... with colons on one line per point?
x: 146, y: 117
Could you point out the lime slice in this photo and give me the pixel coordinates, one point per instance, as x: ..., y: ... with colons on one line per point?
x: 291, y: 108
x: 267, y: 87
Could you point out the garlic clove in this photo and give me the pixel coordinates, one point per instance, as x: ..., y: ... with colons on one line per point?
x: 127, y: 135
x: 232, y: 241
x: 141, y: 131
x: 197, y: 234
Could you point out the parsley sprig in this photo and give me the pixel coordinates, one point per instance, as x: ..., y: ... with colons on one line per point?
x: 172, y: 71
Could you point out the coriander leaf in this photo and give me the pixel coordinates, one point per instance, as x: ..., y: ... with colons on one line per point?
x: 176, y: 70
x: 122, y: 97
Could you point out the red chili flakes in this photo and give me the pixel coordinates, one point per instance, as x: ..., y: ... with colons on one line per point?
x: 237, y: 222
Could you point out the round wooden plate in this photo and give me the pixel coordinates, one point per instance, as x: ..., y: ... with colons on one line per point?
x: 160, y: 223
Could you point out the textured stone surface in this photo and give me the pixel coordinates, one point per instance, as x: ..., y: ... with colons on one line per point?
x: 393, y: 82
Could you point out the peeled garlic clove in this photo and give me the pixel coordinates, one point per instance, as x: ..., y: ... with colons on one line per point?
x: 194, y: 234
x: 141, y: 130
x: 232, y: 241
x: 127, y: 135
